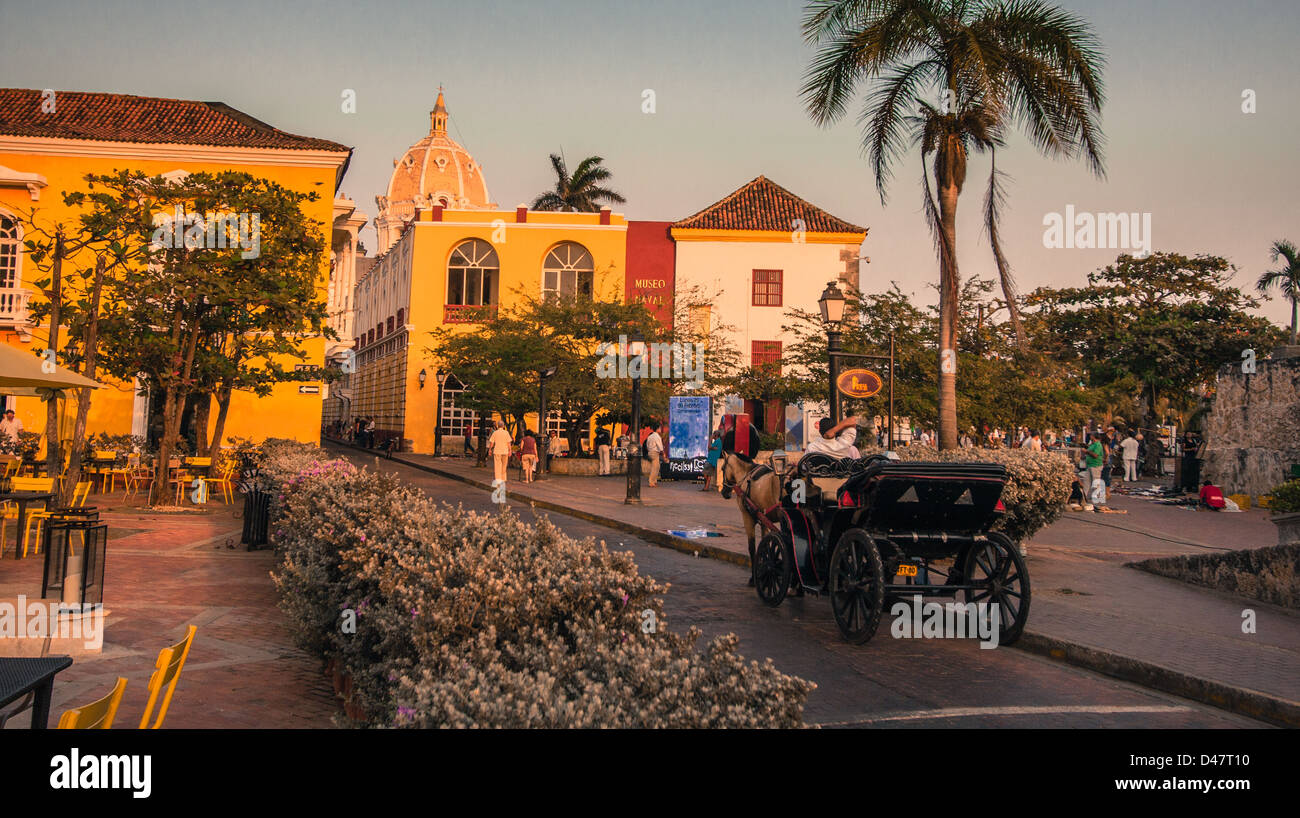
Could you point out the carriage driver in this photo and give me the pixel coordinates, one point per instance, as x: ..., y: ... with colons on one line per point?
x: 836, y: 439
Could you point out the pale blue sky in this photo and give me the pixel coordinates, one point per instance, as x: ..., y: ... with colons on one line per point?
x: 526, y: 79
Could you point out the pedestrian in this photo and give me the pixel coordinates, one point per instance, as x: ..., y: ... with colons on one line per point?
x: 965, y: 441
x: 1094, y: 458
x: 1191, y: 466
x: 469, y: 440
x: 1212, y: 497
x: 528, y: 456
x: 499, y: 447
x: 654, y: 449
x: 925, y: 438
x: 1130, y: 448
x: 602, y: 449
x: 553, y: 445
x: 11, y: 427
x: 711, y: 466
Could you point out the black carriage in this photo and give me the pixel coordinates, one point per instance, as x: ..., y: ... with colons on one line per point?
x: 868, y: 531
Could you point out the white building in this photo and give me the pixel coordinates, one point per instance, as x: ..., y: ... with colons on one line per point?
x: 764, y: 250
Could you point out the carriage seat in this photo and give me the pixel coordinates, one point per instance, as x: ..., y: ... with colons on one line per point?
x: 826, y: 474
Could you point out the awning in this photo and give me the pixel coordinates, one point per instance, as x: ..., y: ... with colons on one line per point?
x: 22, y: 373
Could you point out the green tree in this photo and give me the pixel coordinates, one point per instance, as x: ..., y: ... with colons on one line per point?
x: 1160, y: 325
x: 581, y: 191
x: 1286, y: 278
x: 994, y: 65
x: 190, y: 285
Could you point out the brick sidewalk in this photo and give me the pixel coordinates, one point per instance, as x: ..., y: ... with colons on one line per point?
x: 162, y: 573
x: 1083, y: 593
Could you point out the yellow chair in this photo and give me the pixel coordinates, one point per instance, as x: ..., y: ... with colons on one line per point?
x: 167, y: 674
x: 223, y: 484
x: 32, y: 484
x: 96, y: 715
x: 137, y: 478
x: 79, y: 495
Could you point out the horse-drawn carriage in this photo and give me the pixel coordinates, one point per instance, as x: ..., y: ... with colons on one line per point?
x: 865, y: 531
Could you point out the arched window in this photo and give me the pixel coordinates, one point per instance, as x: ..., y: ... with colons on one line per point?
x: 568, y: 271
x: 10, y: 245
x: 472, y: 274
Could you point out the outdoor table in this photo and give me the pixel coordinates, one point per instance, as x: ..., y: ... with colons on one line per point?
x: 22, y: 498
x: 18, y: 677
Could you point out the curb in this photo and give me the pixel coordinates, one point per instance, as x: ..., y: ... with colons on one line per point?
x: 1238, y: 700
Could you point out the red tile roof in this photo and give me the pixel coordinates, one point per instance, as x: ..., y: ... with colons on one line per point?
x: 126, y: 118
x: 764, y: 205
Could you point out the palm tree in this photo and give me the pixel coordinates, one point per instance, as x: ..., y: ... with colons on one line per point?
x: 580, y: 192
x: 1286, y: 279
x: 994, y: 65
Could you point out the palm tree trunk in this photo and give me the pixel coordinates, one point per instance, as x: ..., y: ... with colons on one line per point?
x: 949, y: 284
x: 1294, y: 304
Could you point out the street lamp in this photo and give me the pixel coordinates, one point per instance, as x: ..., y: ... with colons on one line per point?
x: 422, y: 377
x: 441, y: 377
x: 542, y: 375
x: 832, y: 307
x: 635, y: 349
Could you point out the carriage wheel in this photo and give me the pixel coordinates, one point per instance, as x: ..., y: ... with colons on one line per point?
x: 998, y: 569
x: 773, y: 568
x: 857, y: 586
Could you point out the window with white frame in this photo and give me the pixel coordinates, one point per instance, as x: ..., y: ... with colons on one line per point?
x: 454, y: 418
x: 472, y: 273
x: 555, y: 422
x: 568, y: 270
x: 10, y: 252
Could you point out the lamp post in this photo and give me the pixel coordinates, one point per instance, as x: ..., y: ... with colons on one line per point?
x: 832, y: 307
x: 441, y: 377
x: 635, y: 349
x: 542, y: 375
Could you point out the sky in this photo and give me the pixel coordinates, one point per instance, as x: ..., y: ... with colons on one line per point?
x: 525, y: 79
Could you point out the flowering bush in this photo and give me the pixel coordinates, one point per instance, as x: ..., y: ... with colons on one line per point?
x: 482, y: 620
x: 1285, y: 499
x: 1038, y: 483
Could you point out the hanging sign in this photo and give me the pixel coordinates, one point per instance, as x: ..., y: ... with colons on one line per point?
x: 859, y: 383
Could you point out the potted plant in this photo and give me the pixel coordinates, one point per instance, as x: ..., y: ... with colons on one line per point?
x: 1285, y: 506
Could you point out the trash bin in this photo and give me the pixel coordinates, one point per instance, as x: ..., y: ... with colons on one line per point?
x: 76, y: 544
x: 257, y: 514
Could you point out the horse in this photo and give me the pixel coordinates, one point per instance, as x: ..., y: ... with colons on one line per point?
x: 760, y: 483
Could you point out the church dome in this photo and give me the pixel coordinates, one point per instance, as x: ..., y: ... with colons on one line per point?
x: 434, y: 171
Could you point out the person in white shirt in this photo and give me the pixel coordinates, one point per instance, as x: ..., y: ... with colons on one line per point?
x: 925, y: 438
x: 836, y: 439
x: 654, y: 449
x: 1130, y: 448
x: 499, y: 447
x: 11, y: 427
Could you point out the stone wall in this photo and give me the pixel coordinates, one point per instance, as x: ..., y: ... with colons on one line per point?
x: 1253, y: 431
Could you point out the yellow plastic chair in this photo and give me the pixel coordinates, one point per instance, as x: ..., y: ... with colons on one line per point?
x: 79, y: 495
x: 167, y: 674
x: 96, y: 715
x: 223, y: 484
x: 31, y: 484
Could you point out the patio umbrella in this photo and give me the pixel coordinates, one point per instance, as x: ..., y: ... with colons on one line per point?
x: 22, y: 373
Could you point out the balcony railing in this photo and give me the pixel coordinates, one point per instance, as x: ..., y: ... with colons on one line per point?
x: 13, y: 306
x: 468, y: 313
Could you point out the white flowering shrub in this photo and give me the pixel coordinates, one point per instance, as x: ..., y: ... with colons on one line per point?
x: 465, y: 619
x: 1037, y: 489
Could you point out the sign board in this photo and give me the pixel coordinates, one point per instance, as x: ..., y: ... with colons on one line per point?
x: 689, y: 423
x: 794, y: 427
x: 859, y: 383
x: 309, y: 389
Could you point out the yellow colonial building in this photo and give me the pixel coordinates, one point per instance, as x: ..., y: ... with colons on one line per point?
x: 49, y: 141
x: 450, y: 257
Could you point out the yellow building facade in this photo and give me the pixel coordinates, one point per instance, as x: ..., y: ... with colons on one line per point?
x: 455, y: 268
x: 50, y: 141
